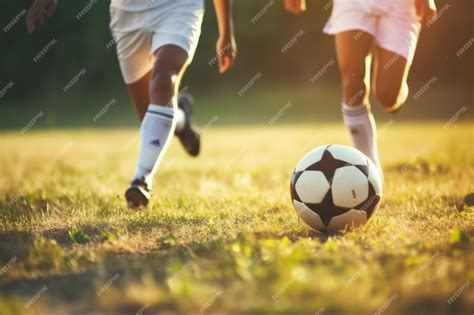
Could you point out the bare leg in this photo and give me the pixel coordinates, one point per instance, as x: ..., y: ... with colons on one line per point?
x: 159, y: 120
x: 139, y: 93
x: 390, y: 79
x: 352, y: 50
x: 185, y: 129
x: 171, y: 62
x: 353, y: 55
x: 162, y: 81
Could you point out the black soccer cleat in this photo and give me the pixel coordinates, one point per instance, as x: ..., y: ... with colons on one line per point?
x: 137, y: 194
x: 189, y: 136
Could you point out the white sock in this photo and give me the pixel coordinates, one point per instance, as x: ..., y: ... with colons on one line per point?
x: 156, y: 132
x: 180, y: 118
x: 361, y: 124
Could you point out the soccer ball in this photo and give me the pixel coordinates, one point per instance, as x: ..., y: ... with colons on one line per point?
x: 335, y: 187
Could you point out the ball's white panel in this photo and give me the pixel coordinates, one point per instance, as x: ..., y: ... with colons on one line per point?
x: 347, y: 154
x: 308, y: 216
x: 349, y: 219
x: 374, y: 178
x: 310, y: 158
x: 349, y: 187
x: 312, y: 186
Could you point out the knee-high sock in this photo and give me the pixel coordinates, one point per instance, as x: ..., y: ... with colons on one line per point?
x: 156, y: 132
x: 361, y: 124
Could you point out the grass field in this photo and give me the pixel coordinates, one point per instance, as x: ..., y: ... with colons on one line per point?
x: 318, y: 103
x: 221, y: 236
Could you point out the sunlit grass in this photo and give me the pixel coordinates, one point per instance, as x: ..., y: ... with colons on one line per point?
x: 221, y: 236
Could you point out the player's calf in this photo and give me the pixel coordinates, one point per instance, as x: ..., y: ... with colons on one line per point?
x: 162, y: 87
x: 391, y: 97
x: 355, y: 91
x: 353, y: 85
x: 166, y: 74
x: 390, y: 79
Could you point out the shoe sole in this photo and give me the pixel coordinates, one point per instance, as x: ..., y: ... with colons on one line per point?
x: 137, y: 197
x: 195, y: 148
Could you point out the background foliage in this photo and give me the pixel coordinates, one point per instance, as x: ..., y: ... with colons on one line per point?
x: 83, y: 44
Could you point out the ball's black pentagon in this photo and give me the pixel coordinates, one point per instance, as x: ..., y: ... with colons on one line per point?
x: 364, y: 169
x: 294, y: 179
x: 327, y: 165
x: 369, y: 204
x: 326, y: 209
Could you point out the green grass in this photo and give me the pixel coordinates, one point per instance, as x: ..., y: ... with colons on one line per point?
x: 223, y: 106
x: 221, y: 236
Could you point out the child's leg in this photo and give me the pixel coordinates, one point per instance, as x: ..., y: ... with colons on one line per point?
x: 390, y: 79
x: 158, y: 123
x: 353, y: 50
x: 170, y: 64
x: 185, y: 130
x: 139, y: 92
x: 396, y: 40
x: 153, y: 47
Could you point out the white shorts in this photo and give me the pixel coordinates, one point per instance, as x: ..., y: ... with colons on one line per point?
x: 138, y: 34
x: 393, y: 23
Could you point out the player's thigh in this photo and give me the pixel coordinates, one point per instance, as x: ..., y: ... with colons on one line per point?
x: 352, y: 49
x: 139, y: 92
x: 390, y: 75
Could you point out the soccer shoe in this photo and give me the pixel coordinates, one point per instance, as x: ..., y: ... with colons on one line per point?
x: 137, y: 194
x: 189, y: 136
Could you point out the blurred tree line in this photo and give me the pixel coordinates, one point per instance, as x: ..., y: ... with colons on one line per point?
x: 262, y: 29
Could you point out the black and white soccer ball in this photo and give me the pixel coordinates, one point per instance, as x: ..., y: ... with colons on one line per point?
x: 334, y: 187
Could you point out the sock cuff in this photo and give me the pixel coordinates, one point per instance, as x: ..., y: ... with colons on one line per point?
x: 356, y: 115
x: 355, y: 111
x: 162, y: 111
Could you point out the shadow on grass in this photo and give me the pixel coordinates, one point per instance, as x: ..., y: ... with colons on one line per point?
x: 16, y: 243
